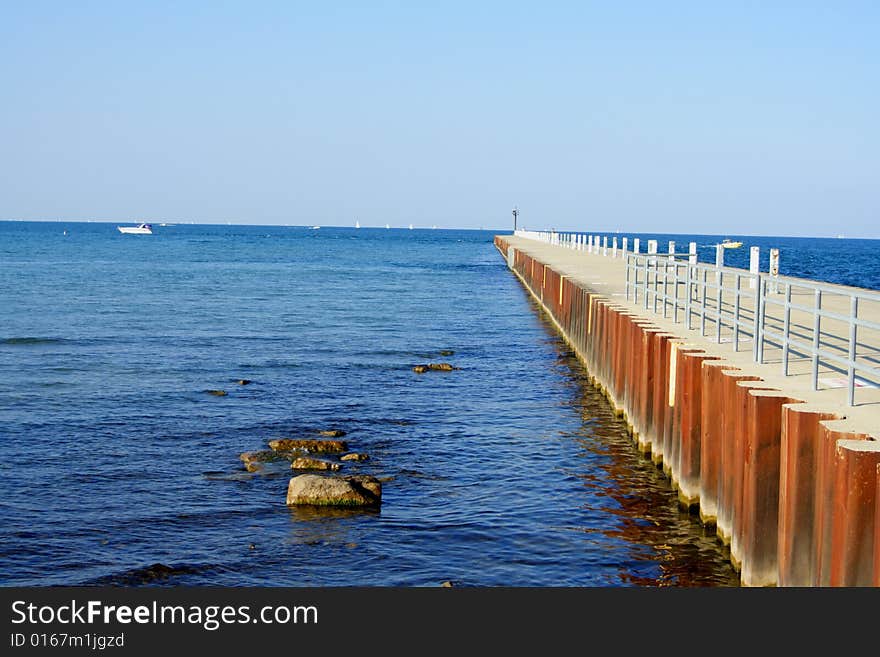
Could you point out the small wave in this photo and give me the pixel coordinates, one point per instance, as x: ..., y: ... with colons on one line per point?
x: 31, y: 340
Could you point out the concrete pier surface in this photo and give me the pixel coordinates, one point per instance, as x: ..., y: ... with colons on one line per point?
x: 789, y: 475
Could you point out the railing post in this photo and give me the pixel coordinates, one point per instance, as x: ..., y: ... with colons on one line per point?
x: 786, y: 327
x: 718, y: 281
x: 604, y: 245
x: 736, y: 313
x: 757, y: 332
x: 754, y: 263
x: 719, y: 263
x: 703, y: 304
x: 636, y: 243
x: 853, y: 328
x: 817, y: 328
x: 625, y: 241
x: 763, y: 311
x: 774, y: 269
x: 687, y: 300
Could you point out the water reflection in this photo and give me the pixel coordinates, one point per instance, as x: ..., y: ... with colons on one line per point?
x: 669, y: 547
x: 325, y: 525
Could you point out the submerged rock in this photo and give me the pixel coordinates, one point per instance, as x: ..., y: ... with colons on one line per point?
x: 309, y: 463
x: 309, y: 445
x: 263, y: 456
x: 322, y: 490
x: 446, y: 352
x: 244, y: 382
x: 354, y: 456
x: 217, y: 393
x: 445, y: 367
x: 420, y: 369
x: 257, y: 461
x: 332, y: 433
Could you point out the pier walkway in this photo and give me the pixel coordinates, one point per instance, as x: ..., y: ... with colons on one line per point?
x: 757, y: 395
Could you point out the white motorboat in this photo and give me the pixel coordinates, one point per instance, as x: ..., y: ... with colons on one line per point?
x: 140, y: 229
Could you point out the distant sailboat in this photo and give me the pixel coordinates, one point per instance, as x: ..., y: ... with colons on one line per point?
x: 387, y: 226
x: 357, y: 224
x: 410, y: 226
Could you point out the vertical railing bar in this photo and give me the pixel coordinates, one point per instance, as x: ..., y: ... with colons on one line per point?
x: 762, y: 318
x: 786, y: 328
x: 736, y: 314
x: 853, y: 328
x: 687, y: 299
x: 817, y: 322
x: 703, y: 306
x: 675, y: 292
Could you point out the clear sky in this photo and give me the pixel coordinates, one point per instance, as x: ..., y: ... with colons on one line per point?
x: 711, y: 117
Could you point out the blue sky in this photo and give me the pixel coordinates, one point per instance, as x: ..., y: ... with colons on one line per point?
x: 680, y: 117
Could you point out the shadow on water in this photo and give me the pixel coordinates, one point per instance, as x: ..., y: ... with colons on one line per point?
x: 665, y: 538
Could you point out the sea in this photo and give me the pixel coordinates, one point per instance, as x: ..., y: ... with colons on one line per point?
x: 121, y: 459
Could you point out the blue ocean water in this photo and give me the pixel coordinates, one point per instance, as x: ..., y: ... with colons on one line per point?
x: 120, y: 468
x: 842, y: 261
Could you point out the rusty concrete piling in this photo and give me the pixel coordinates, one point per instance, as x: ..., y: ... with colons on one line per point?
x: 787, y: 476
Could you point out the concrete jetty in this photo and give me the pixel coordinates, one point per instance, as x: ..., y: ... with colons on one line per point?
x: 755, y: 394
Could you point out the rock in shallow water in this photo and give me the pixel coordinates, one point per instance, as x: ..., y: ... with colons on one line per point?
x: 332, y: 433
x: 354, y: 456
x: 314, y: 446
x: 309, y: 463
x: 321, y: 490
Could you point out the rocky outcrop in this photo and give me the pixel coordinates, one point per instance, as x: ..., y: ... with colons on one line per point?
x: 323, y: 490
x: 310, y: 463
x: 308, y: 445
x: 354, y: 456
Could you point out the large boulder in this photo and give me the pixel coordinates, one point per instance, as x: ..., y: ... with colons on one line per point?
x: 322, y: 490
x: 309, y: 445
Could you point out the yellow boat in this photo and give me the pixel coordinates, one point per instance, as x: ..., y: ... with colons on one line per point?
x: 730, y: 244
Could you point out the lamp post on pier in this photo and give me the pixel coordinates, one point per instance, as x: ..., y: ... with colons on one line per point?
x: 515, y: 212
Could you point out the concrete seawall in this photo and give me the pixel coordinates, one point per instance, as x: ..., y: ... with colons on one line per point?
x: 788, y: 476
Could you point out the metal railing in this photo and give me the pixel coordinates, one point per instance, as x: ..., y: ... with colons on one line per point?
x: 737, y: 306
